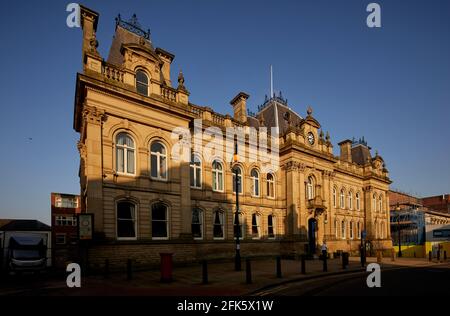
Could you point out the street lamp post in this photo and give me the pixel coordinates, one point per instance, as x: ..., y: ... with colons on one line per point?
x: 398, y: 231
x: 237, y: 258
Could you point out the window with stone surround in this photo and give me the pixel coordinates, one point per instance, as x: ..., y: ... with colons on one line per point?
x: 217, y: 176
x: 196, y: 171
x: 197, y: 223
x: 160, y: 222
x: 255, y: 182
x: 271, y: 226
x: 270, y: 186
x: 126, y: 220
x: 142, y: 83
x: 158, y: 163
x: 125, y: 154
x: 218, y: 223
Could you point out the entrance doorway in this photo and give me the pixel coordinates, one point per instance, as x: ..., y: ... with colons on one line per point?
x: 312, y: 231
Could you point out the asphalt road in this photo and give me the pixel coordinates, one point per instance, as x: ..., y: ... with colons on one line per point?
x: 395, y: 282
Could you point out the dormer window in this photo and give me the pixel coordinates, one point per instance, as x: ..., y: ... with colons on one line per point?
x: 141, y: 82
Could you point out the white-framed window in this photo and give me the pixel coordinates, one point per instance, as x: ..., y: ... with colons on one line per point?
x: 350, y: 200
x: 358, y: 201
x: 239, y: 174
x: 310, y: 188
x: 158, y: 161
x: 126, y: 220
x: 241, y: 225
x: 197, y: 223
x: 271, y: 227
x: 60, y: 239
x: 142, y: 82
x: 343, y: 230
x: 218, y: 222
x: 160, y: 221
x: 358, y: 228
x: 196, y: 171
x: 334, y: 198
x: 255, y: 182
x: 270, y: 186
x: 256, y: 226
x: 374, y: 202
x: 342, y: 199
x: 217, y: 176
x: 125, y: 154
x: 61, y: 220
x: 351, y: 229
x: 66, y: 201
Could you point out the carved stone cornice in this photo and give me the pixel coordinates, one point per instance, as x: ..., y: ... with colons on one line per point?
x: 368, y: 188
x: 93, y: 115
x: 82, y: 149
x: 328, y: 174
x: 294, y: 166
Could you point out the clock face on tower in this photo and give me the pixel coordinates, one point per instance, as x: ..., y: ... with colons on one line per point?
x: 311, y: 138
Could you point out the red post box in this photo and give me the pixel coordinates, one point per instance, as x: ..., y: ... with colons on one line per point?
x: 166, y: 267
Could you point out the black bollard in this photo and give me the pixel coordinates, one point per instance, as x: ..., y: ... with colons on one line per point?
x: 445, y: 254
x: 129, y: 270
x: 344, y: 260
x: 106, y: 270
x: 248, y: 271
x: 204, y: 272
x: 363, y: 258
x: 279, y: 267
x: 303, y: 262
x: 325, y: 267
x: 429, y: 256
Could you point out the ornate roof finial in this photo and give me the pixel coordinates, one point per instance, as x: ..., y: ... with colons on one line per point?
x: 327, y: 137
x: 181, y: 81
x: 309, y: 110
x: 321, y: 134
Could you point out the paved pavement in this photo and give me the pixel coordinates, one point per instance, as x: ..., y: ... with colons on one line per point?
x: 223, y: 280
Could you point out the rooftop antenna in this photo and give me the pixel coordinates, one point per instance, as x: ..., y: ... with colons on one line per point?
x: 271, y: 82
x: 273, y: 99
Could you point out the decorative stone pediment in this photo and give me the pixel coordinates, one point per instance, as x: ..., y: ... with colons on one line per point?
x: 316, y: 205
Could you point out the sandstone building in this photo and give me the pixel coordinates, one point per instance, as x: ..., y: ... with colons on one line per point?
x: 145, y: 201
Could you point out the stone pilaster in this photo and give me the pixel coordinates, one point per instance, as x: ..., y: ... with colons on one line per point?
x: 93, y: 119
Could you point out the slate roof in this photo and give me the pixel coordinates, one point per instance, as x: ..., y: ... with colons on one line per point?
x: 25, y: 225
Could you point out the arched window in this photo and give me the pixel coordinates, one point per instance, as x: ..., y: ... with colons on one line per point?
x: 380, y: 204
x: 358, y: 202
x: 160, y: 222
x: 270, y: 185
x: 310, y: 188
x: 142, y: 82
x: 336, y: 228
x: 240, y: 182
x: 196, y: 171
x: 351, y: 229
x: 342, y: 199
x: 358, y: 230
x: 255, y: 182
x: 343, y: 230
x: 334, y: 198
x: 241, y: 225
x: 256, y: 223
x: 158, y: 161
x: 374, y: 203
x: 197, y: 223
x: 126, y: 220
x: 350, y: 200
x: 125, y: 158
x: 381, y: 230
x: 217, y: 175
x: 218, y: 220
x: 271, y: 226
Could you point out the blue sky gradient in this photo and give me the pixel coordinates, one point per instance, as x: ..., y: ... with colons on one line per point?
x: 390, y: 85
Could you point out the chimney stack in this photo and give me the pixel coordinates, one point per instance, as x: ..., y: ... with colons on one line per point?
x: 239, y: 104
x: 346, y: 150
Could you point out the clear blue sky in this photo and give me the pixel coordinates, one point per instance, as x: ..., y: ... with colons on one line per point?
x: 391, y: 85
